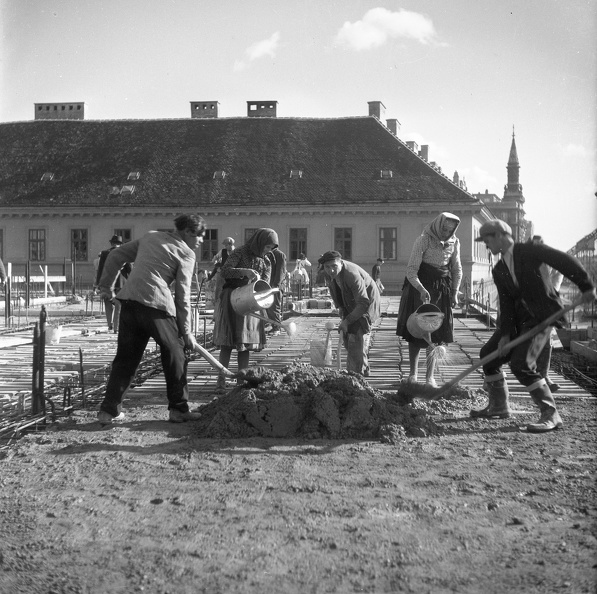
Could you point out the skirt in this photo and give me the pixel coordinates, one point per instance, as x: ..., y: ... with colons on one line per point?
x: 243, y: 333
x: 439, y: 284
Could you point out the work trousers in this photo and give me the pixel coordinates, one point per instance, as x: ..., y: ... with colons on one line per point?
x: 357, y: 347
x: 517, y: 357
x: 139, y: 323
x: 112, y: 307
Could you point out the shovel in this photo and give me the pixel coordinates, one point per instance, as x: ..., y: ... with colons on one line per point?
x: 251, y: 375
x: 431, y: 393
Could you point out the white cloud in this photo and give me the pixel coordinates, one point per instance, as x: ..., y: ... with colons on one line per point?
x: 266, y: 47
x: 574, y: 150
x: 478, y: 180
x: 379, y: 25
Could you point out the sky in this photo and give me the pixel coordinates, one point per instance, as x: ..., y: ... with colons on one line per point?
x: 459, y: 76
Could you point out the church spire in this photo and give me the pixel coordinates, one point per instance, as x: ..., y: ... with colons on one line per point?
x: 513, y: 167
x: 513, y: 160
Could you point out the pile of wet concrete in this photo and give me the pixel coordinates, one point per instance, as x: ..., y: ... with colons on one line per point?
x: 302, y: 401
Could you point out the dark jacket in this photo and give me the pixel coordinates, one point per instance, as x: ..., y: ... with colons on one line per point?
x: 277, y: 260
x: 357, y: 295
x: 534, y: 299
x: 124, y: 271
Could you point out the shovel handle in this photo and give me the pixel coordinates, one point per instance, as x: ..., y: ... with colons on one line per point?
x: 213, y: 361
x: 509, y: 346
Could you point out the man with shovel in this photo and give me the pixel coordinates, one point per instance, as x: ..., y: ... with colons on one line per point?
x: 357, y: 298
x: 526, y: 300
x: 150, y: 309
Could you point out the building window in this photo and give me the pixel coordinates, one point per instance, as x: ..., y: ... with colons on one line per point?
x: 480, y: 251
x: 2, y: 244
x: 78, y: 245
x: 37, y: 245
x: 209, y: 247
x: 343, y: 242
x: 126, y: 234
x: 388, y: 240
x: 296, y: 173
x: 298, y: 242
x: 249, y: 233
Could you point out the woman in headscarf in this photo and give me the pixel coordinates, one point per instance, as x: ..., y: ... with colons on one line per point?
x: 243, y: 266
x: 433, y: 275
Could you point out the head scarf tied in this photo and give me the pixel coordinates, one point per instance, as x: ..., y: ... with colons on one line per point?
x: 435, y: 227
x: 260, y: 239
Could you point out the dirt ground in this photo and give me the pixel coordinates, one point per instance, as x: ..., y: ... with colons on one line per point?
x: 345, y: 491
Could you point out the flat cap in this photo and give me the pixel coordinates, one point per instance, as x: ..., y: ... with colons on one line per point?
x: 328, y: 256
x: 493, y: 226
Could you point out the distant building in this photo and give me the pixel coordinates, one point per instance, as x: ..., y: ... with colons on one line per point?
x: 510, y: 208
x: 347, y: 183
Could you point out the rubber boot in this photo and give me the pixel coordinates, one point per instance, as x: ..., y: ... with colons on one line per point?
x: 543, y: 398
x: 498, y: 394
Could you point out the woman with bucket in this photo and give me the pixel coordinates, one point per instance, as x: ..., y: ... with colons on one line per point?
x: 245, y: 333
x: 433, y: 276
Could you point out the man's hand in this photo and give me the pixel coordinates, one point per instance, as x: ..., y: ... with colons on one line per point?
x: 189, y: 342
x: 343, y: 326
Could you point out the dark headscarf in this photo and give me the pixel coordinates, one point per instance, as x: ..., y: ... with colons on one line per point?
x: 434, y: 228
x: 260, y: 239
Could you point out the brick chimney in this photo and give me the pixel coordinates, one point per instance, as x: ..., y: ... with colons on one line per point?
x: 377, y: 109
x: 262, y: 109
x: 59, y: 111
x: 393, y: 125
x: 413, y: 146
x: 204, y: 109
x: 424, y: 152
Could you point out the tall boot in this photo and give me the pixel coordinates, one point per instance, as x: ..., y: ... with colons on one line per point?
x: 543, y: 398
x: 498, y: 394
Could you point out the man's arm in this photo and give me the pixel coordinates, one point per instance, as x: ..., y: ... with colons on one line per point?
x: 182, y: 297
x: 355, y: 283
x: 569, y: 266
x: 115, y: 260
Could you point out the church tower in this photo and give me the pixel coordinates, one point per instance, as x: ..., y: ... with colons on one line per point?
x: 511, y: 208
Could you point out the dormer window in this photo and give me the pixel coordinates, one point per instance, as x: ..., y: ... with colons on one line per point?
x: 47, y: 177
x: 296, y: 173
x: 219, y: 174
x: 133, y: 176
x: 127, y: 190
x: 385, y: 174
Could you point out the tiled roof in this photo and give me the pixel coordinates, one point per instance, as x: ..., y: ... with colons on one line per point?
x: 340, y: 159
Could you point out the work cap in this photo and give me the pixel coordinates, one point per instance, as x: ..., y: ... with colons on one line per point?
x: 228, y: 241
x: 328, y: 256
x: 492, y: 227
x: 116, y: 239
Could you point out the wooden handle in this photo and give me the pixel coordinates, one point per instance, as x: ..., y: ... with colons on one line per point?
x: 213, y: 361
x: 508, y: 347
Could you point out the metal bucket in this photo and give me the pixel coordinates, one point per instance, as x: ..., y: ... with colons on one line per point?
x: 427, y: 319
x: 252, y: 298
